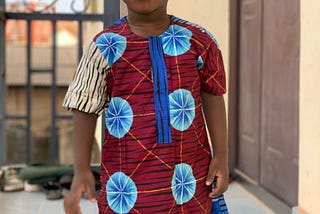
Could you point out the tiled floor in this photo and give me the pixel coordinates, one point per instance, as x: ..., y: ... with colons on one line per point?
x: 239, y: 201
x: 35, y: 202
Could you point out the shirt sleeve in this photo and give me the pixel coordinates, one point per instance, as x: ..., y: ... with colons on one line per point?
x: 212, y: 73
x: 88, y: 90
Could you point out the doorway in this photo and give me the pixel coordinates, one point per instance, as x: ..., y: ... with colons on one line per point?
x: 264, y: 94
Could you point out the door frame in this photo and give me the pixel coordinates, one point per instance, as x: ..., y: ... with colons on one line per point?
x: 233, y: 85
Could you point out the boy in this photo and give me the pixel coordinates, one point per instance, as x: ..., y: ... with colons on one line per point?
x: 157, y: 73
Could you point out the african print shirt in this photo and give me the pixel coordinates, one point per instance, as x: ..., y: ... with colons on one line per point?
x: 156, y: 154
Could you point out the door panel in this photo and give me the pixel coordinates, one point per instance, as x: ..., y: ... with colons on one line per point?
x: 280, y: 99
x: 268, y: 97
x: 249, y: 87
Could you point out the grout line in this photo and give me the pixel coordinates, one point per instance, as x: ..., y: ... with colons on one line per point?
x: 40, y: 208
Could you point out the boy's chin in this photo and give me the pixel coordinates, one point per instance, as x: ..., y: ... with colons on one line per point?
x: 144, y: 6
x: 143, y: 11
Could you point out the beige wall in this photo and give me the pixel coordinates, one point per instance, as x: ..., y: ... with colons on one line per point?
x: 309, y: 174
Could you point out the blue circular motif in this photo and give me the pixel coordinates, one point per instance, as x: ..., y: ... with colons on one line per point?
x: 176, y: 40
x: 182, y: 109
x: 121, y: 193
x: 119, y: 117
x: 183, y: 183
x: 199, y: 62
x: 112, y: 46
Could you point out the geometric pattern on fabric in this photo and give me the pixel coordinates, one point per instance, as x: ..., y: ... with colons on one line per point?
x: 119, y: 117
x: 182, y: 109
x: 197, y: 26
x: 122, y: 193
x: 112, y: 46
x: 214, y: 38
x: 176, y: 40
x: 219, y: 205
x: 130, y: 151
x: 199, y: 62
x: 183, y: 183
x: 87, y: 91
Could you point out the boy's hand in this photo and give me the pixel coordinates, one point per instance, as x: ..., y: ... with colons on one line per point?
x: 81, y: 183
x: 218, y: 169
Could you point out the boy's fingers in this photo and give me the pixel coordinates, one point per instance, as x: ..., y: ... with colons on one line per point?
x: 209, y: 180
x: 211, y: 174
x: 220, y: 188
x: 216, y: 192
x: 71, y: 203
x: 91, y: 193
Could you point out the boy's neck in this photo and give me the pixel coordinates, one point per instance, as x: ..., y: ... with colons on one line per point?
x: 149, y: 24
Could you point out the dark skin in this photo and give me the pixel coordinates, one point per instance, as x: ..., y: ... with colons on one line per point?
x: 215, y: 115
x: 146, y: 18
x: 83, y: 181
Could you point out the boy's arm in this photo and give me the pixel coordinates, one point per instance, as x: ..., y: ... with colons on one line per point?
x: 83, y: 181
x: 84, y: 125
x: 215, y: 115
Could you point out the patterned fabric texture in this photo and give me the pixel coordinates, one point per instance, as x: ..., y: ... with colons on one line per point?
x: 155, y: 155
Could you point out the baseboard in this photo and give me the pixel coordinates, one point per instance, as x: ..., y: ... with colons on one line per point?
x: 298, y: 210
x: 275, y: 204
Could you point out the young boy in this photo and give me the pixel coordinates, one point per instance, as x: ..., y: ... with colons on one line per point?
x: 156, y: 73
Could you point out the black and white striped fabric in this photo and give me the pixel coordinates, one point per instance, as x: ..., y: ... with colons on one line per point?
x: 87, y: 92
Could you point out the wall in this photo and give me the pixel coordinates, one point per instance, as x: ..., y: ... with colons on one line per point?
x: 309, y: 175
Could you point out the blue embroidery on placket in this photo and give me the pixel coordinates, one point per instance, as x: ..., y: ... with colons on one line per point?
x: 160, y: 88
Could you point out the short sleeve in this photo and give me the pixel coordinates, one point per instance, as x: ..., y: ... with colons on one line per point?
x: 212, y: 73
x: 88, y: 90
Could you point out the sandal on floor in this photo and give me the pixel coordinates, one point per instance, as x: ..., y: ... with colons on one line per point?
x: 53, y: 190
x: 10, y: 180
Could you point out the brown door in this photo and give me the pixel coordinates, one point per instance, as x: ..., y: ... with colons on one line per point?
x: 268, y: 95
x: 249, y: 87
x: 280, y: 98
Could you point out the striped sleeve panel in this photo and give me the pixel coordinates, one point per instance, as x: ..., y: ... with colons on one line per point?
x: 88, y: 90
